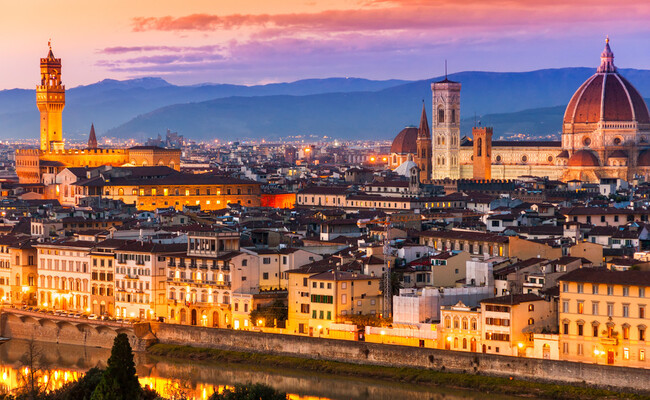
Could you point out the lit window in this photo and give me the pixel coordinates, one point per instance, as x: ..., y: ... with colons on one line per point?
x: 187, y: 192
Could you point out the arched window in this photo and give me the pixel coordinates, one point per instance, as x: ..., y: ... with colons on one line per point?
x: 455, y: 342
x: 465, y: 343
x: 447, y: 322
x: 465, y: 323
x: 441, y: 115
x: 456, y: 323
x: 120, y: 192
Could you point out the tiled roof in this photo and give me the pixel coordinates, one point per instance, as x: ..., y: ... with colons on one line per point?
x: 512, y: 300
x: 601, y: 275
x: 465, y: 235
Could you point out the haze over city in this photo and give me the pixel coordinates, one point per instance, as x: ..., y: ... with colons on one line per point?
x: 253, y: 42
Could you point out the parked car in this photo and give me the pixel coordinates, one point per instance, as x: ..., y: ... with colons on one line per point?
x: 93, y: 316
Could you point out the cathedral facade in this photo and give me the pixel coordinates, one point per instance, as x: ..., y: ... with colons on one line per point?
x: 605, y: 134
x: 41, y: 165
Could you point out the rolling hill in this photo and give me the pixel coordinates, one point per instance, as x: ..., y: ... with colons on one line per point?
x: 529, y: 102
x: 524, y: 102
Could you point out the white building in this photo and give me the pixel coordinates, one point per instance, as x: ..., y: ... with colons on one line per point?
x: 64, y: 275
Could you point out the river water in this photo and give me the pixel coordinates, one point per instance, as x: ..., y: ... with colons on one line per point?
x: 58, y: 364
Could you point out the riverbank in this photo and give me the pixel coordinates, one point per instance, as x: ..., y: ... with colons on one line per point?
x: 479, y: 383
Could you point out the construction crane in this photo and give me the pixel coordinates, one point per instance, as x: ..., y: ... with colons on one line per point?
x: 387, y: 311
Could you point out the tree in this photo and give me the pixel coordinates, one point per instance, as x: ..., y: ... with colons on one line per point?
x: 81, y: 389
x: 278, y: 311
x: 250, y: 391
x: 119, y: 381
x: 32, y: 386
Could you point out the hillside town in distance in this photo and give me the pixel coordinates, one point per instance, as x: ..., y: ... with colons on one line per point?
x: 536, y: 249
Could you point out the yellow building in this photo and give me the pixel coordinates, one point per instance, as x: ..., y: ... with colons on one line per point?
x: 211, y: 192
x: 298, y: 297
x: 333, y: 295
x: 509, y: 322
x: 460, y: 328
x: 41, y: 165
x: 603, y: 317
x: 477, y: 243
x: 24, y: 274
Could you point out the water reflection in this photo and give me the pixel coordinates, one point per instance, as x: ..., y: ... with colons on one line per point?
x: 58, y: 364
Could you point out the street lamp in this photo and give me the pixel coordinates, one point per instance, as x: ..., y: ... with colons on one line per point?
x: 382, y: 336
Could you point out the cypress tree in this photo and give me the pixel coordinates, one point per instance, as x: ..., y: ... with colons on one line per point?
x: 119, y: 381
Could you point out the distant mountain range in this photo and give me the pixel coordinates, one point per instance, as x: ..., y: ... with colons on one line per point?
x: 527, y: 102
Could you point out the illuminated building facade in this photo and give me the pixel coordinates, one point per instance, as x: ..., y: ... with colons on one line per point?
x: 211, y: 192
x: 603, y: 317
x: 605, y: 134
x: 64, y: 275
x: 202, y: 279
x: 41, y: 165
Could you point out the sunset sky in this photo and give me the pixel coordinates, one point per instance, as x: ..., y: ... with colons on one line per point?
x: 250, y: 42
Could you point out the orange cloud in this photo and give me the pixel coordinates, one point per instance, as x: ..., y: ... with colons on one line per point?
x: 413, y: 14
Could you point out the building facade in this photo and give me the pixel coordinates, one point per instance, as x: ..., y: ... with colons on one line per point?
x: 41, y: 165
x: 603, y: 317
x: 605, y: 134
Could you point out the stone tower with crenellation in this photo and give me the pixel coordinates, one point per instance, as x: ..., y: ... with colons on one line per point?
x: 50, y: 100
x: 445, y: 129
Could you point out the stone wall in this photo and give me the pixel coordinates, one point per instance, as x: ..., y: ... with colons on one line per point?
x: 17, y: 324
x: 21, y: 325
x: 402, y: 356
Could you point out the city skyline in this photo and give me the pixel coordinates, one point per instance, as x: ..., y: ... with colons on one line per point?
x: 255, y: 42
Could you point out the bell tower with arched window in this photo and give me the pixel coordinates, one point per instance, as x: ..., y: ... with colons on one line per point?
x: 445, y: 129
x: 50, y: 100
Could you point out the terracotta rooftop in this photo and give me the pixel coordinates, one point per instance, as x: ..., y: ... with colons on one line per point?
x: 601, y: 275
